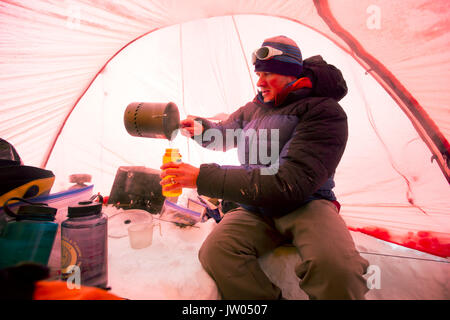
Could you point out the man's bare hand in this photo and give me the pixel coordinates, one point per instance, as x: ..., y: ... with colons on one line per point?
x: 190, y: 128
x: 176, y: 175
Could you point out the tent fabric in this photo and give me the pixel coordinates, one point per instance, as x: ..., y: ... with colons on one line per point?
x: 69, y: 68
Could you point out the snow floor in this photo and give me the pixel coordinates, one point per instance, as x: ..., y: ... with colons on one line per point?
x: 169, y: 269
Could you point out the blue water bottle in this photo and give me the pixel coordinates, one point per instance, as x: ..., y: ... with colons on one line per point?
x: 28, y: 235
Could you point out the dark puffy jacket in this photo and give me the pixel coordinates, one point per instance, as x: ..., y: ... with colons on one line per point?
x: 307, y: 132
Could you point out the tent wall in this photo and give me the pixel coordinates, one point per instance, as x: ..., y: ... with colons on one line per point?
x: 70, y: 42
x: 59, y: 73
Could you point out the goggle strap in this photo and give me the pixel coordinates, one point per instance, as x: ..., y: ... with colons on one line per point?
x: 272, y: 52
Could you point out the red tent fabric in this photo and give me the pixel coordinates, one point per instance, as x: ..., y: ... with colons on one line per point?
x: 70, y: 68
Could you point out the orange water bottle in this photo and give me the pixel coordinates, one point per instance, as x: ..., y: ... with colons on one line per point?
x: 172, y: 155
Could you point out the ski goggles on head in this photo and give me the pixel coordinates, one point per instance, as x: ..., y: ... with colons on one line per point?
x: 266, y: 53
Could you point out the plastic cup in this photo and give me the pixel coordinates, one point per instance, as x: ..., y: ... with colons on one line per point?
x: 141, y: 235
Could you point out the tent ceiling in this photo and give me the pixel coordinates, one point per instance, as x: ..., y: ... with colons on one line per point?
x: 41, y: 37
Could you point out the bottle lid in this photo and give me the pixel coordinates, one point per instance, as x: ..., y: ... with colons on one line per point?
x: 36, y: 212
x: 84, y: 209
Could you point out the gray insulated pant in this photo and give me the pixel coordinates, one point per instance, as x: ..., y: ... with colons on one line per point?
x: 330, y: 266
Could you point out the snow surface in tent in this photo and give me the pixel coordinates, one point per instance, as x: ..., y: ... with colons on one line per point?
x: 386, y: 182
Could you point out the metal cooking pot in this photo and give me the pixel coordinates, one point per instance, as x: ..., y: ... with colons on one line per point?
x: 152, y: 120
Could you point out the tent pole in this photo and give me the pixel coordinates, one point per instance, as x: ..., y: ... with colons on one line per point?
x: 243, y: 53
x: 182, y: 86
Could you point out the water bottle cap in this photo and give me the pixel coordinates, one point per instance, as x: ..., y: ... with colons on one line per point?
x: 84, y: 209
x: 36, y: 212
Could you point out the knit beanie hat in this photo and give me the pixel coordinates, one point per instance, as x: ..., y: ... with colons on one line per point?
x: 288, y: 65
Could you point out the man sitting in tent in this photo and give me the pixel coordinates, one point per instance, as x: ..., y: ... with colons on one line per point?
x: 287, y: 200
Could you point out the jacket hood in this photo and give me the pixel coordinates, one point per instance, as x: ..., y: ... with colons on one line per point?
x: 327, y: 80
